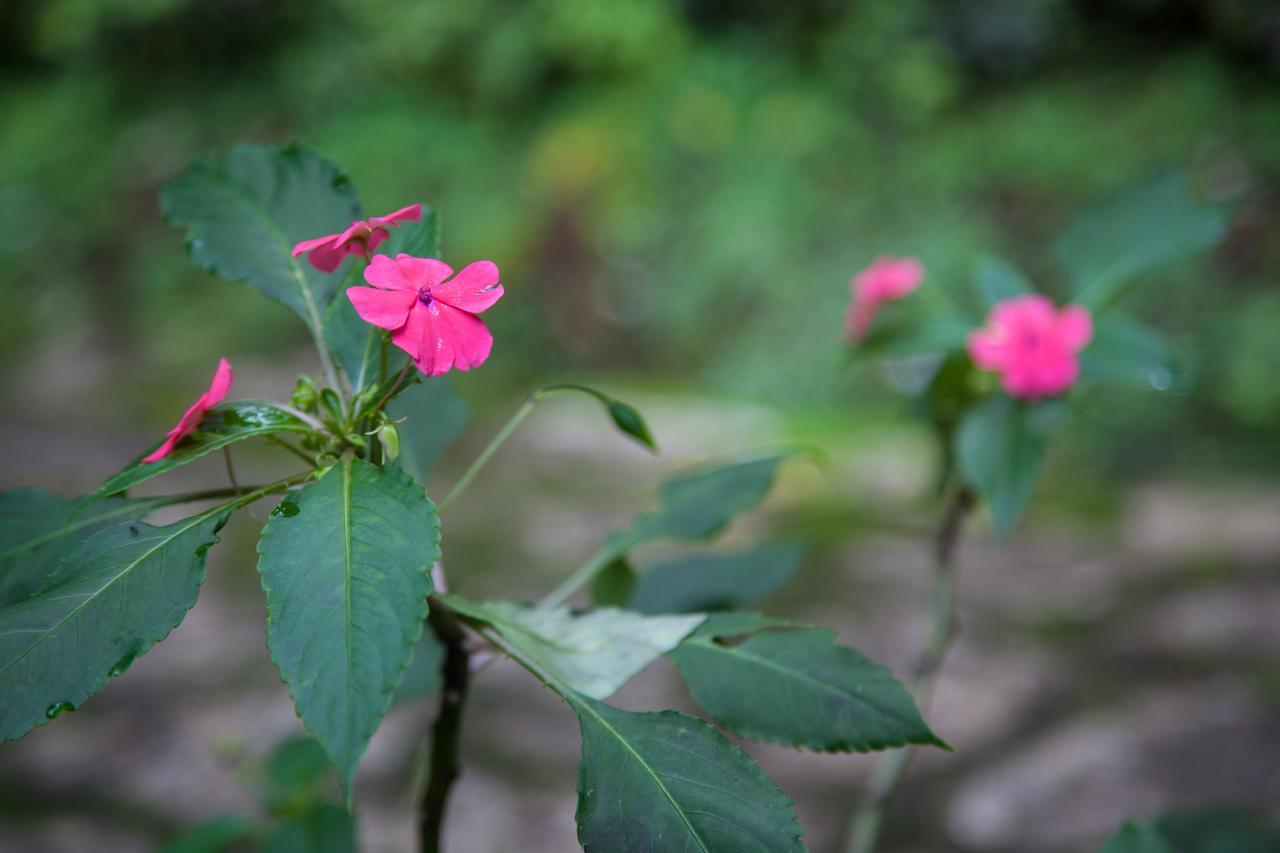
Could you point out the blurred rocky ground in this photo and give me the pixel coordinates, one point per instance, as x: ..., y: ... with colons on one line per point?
x: 1104, y: 669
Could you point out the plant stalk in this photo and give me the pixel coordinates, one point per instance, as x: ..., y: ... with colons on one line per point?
x: 485, y: 455
x: 864, y: 827
x: 447, y: 729
x: 581, y: 576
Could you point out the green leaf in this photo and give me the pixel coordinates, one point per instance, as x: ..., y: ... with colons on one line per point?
x: 38, y: 530
x: 1001, y: 454
x: 1220, y: 829
x: 700, y: 582
x: 699, y: 504
x: 357, y: 346
x: 326, y: 828
x: 795, y: 687
x: 1124, y: 351
x: 667, y: 781
x: 420, y: 239
x: 222, y: 426
x: 435, y: 415
x: 423, y: 677
x: 614, y: 585
x: 1138, y: 838
x: 296, y: 775
x: 214, y: 836
x: 345, y: 563
x: 995, y: 280
x: 124, y: 589
x: 593, y: 654
x: 1139, y: 231
x: 244, y: 212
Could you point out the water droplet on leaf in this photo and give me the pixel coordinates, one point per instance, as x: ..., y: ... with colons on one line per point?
x: 287, y: 508
x: 58, y: 708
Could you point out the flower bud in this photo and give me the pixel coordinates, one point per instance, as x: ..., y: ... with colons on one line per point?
x: 389, y: 437
x: 305, y: 396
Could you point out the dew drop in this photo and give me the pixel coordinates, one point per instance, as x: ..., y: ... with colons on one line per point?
x: 58, y: 708
x: 287, y: 508
x: 121, y: 666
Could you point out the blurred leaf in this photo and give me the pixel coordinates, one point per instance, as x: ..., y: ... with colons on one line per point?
x: 357, y: 346
x: 222, y: 426
x: 436, y: 416
x: 1001, y: 456
x: 1138, y: 838
x: 422, y: 678
x: 700, y: 582
x: 244, y: 212
x: 214, y: 836
x: 296, y: 774
x: 1220, y: 829
x: 593, y: 654
x: 38, y: 529
x: 613, y: 585
x: 1137, y: 232
x: 1124, y: 351
x: 345, y: 563
x: 121, y: 591
x: 325, y: 829
x: 995, y: 280
x: 420, y: 239
x: 915, y: 337
x: 668, y: 781
x: 795, y: 687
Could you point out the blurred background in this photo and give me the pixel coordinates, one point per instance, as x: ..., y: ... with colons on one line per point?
x: 677, y: 193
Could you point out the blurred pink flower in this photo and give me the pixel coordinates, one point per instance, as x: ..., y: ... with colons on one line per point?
x: 360, y: 238
x: 431, y: 316
x: 1034, y: 346
x: 886, y: 280
x: 191, y: 417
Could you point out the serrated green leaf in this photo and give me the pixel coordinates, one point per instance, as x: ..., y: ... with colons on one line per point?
x: 345, y: 563
x: 1000, y: 455
x: 795, y: 687
x: 222, y: 426
x: 995, y: 280
x: 593, y: 654
x: 666, y: 781
x: 1138, y: 838
x: 423, y: 676
x: 434, y: 416
x: 39, y: 529
x: 244, y: 212
x: 123, y: 590
x: 715, y: 581
x: 1138, y: 231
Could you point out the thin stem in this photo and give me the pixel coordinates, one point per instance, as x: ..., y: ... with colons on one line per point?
x: 581, y: 576
x: 447, y: 730
x: 395, y: 387
x: 864, y: 827
x: 296, y: 451
x: 485, y: 455
x: 330, y: 372
x: 310, y: 421
x: 231, y: 470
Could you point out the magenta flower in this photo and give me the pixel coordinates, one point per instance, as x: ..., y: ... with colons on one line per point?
x: 1032, y: 345
x: 886, y: 280
x: 191, y: 417
x: 361, y: 238
x: 431, y: 316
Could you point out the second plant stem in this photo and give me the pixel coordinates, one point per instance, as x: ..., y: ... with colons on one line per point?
x: 446, y: 732
x: 864, y: 828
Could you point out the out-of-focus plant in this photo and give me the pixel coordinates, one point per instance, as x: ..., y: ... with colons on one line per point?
x: 351, y: 563
x: 996, y: 375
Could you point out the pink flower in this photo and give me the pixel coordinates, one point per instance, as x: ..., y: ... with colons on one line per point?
x: 1034, y: 346
x: 361, y: 238
x: 886, y: 280
x: 432, y: 319
x: 191, y: 417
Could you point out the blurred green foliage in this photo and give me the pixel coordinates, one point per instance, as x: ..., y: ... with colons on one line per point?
x: 677, y: 190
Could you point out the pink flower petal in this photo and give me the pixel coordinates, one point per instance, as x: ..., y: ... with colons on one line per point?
x: 327, y: 257
x: 473, y: 289
x: 1032, y: 345
x: 310, y: 245
x: 468, y: 336
x: 404, y: 272
x: 412, y: 213
x: 386, y: 309
x: 221, y: 384
x: 191, y: 418
x: 1075, y: 326
x: 415, y: 336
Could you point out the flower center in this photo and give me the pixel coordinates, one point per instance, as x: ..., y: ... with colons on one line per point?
x: 424, y: 296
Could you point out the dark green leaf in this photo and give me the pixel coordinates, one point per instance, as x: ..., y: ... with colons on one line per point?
x: 296, y: 775
x: 700, y: 582
x: 357, y: 346
x: 244, y: 212
x: 130, y: 585
x: 324, y: 829
x: 1139, y: 231
x: 222, y: 426
x: 614, y: 585
x: 1138, y: 838
x: 797, y: 688
x: 666, y: 781
x: 435, y: 416
x: 593, y: 654
x: 39, y: 529
x: 1220, y: 829
x: 995, y: 280
x: 1124, y: 351
x: 1000, y: 455
x: 345, y: 563
x: 422, y: 678
x: 215, y: 836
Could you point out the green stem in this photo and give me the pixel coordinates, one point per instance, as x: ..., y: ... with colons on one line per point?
x: 447, y: 730
x: 581, y: 576
x: 864, y: 827
x: 485, y: 455
x: 296, y: 451
x: 394, y: 388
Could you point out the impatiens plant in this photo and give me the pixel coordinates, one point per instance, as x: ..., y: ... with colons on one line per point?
x: 993, y: 375
x: 359, y: 611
